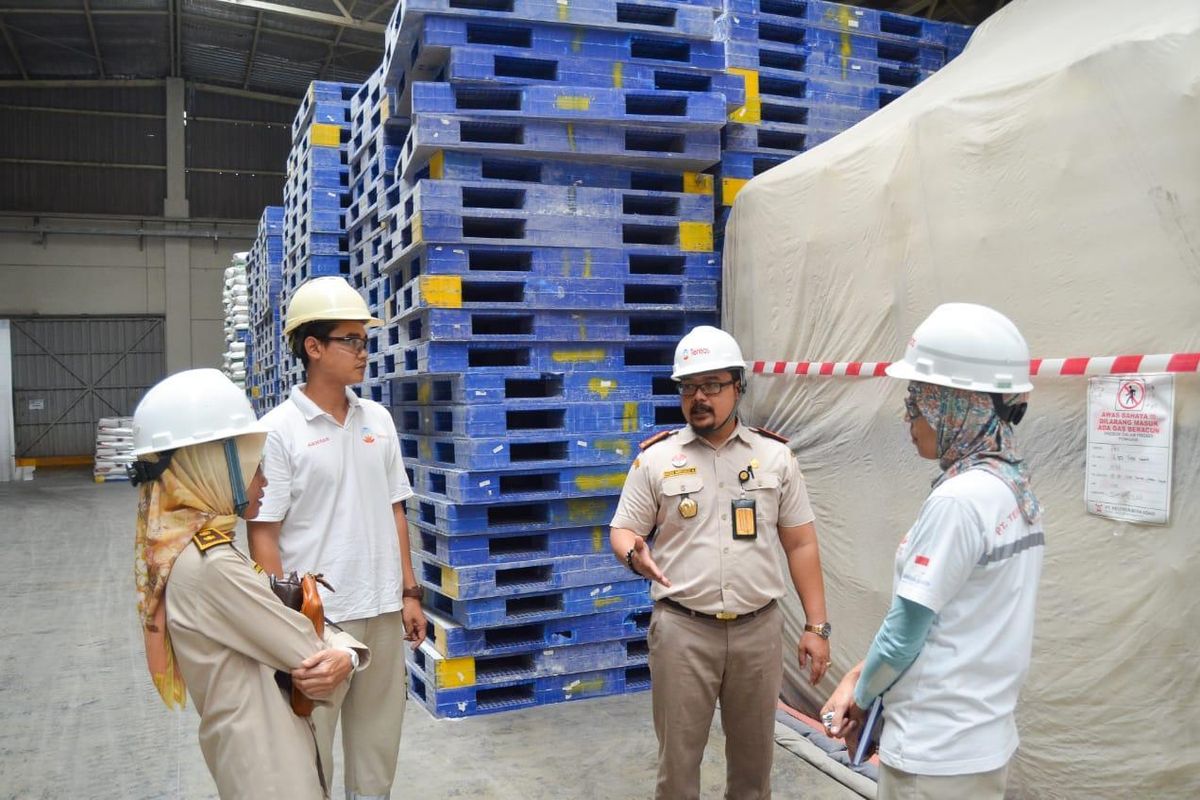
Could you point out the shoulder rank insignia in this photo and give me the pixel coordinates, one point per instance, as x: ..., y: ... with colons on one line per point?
x: 770, y: 434
x: 207, y: 539
x: 656, y: 438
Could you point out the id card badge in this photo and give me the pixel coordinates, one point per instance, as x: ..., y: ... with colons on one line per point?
x: 745, y: 521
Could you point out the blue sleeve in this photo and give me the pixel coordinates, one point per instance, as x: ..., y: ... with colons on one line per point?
x: 896, y: 646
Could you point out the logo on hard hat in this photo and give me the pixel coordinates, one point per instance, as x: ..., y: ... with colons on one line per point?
x: 695, y: 351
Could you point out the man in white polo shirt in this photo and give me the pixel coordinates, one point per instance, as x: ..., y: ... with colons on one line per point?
x: 334, y: 504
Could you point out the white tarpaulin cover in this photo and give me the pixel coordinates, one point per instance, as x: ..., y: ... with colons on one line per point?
x: 1053, y: 172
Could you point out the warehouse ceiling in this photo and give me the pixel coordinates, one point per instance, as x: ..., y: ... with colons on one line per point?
x: 275, y: 47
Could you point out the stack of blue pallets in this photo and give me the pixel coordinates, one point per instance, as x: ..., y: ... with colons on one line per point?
x: 264, y: 277
x: 316, y: 193
x: 548, y: 240
x: 812, y: 69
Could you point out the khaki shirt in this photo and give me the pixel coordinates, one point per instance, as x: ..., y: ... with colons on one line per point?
x: 230, y: 633
x: 711, y: 571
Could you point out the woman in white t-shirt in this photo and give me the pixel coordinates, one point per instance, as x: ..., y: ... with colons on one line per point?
x: 953, y: 650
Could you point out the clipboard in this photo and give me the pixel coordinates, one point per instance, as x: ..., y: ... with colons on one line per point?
x: 868, y: 741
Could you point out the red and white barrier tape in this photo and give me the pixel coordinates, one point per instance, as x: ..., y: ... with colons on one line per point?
x: 1044, y: 367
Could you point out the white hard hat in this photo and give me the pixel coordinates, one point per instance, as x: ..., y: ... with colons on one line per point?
x: 706, y: 349
x: 967, y: 346
x: 192, y: 407
x: 329, y: 298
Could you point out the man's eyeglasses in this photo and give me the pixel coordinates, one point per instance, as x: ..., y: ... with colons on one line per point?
x: 356, y: 343
x: 709, y: 388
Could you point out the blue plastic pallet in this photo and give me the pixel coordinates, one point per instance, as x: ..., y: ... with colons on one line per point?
x: 316, y: 244
x: 528, y: 693
x: 516, y: 485
x: 648, y: 147
x: 452, y: 357
x: 774, y: 31
x: 449, y: 673
x: 747, y: 165
x: 495, y: 419
x: 498, y: 290
x: 480, y: 388
x: 527, y: 451
x: 636, y: 263
x: 492, y: 612
x: 462, y: 166
x: 628, y: 16
x: 838, y: 17
x: 470, y: 66
x: 621, y: 107
x: 466, y: 550
x: 529, y: 324
x: 773, y: 138
x: 450, y: 639
x: 519, y: 578
x: 511, y: 517
x: 786, y: 59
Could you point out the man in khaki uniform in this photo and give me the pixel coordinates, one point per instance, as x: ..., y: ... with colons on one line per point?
x: 716, y: 495
x: 220, y: 633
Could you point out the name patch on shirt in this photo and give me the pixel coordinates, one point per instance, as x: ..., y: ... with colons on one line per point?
x: 316, y: 442
x: 675, y: 473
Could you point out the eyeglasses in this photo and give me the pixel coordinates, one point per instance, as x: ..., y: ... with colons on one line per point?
x: 709, y: 388
x: 356, y: 343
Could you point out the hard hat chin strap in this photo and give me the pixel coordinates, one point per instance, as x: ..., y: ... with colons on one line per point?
x: 140, y: 472
x: 1012, y: 414
x: 240, y: 502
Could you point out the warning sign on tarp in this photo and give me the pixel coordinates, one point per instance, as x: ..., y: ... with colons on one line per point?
x: 1130, y: 429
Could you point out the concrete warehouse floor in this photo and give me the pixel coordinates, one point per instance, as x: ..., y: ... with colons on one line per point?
x: 79, y: 717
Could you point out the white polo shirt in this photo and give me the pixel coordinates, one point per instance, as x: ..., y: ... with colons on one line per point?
x: 333, y: 487
x: 973, y: 560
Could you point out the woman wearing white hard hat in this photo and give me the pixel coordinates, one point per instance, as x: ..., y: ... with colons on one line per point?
x: 953, y: 650
x: 212, y: 625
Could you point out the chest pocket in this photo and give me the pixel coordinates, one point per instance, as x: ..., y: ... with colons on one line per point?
x: 764, y: 491
x: 681, y: 489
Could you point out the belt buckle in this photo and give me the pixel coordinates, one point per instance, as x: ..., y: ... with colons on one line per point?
x: 725, y: 616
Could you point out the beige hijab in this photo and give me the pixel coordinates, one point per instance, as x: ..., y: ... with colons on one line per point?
x: 191, y: 496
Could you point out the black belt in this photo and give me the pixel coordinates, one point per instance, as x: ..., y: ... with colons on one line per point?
x: 724, y: 616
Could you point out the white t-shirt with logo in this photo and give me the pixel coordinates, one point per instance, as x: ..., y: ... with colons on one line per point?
x: 973, y: 560
x: 333, y: 487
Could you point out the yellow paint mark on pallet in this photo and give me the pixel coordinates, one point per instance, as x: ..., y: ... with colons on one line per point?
x: 450, y: 582
x: 697, y: 183
x: 580, y: 509
x: 564, y: 11
x: 441, y: 291
x: 730, y: 188
x: 750, y: 113
x: 437, y: 165
x: 695, y: 237
x: 600, y: 481
x: 571, y: 136
x: 598, y: 538
x: 582, y: 356
x: 584, y: 686
x: 415, y: 228
x: 577, y: 40
x: 618, y: 72
x: 424, y: 393
x: 605, y: 602
x: 573, y: 102
x: 602, y: 386
x: 385, y: 110
x: 437, y: 636
x: 629, y: 418
x: 618, y: 447
x: 455, y: 672
x: 587, y: 263
x: 325, y: 135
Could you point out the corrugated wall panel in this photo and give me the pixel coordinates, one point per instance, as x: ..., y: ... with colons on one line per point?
x: 84, y: 137
x: 135, y: 99
x: 232, y: 196
x: 82, y: 190
x: 238, y: 146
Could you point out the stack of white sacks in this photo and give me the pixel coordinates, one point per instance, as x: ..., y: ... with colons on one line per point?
x: 114, y: 448
x: 237, y: 320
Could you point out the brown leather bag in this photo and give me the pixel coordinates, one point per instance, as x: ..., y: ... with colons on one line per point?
x: 301, y: 594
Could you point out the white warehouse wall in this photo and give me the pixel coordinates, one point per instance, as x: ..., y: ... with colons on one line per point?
x: 74, y: 274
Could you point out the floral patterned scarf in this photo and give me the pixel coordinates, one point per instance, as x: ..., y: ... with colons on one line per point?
x: 191, y: 496
x: 971, y: 436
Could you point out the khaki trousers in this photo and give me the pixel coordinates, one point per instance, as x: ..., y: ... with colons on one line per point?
x: 695, y: 661
x: 372, y: 712
x: 897, y: 785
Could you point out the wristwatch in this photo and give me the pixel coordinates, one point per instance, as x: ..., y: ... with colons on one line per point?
x: 823, y: 630
x: 415, y: 592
